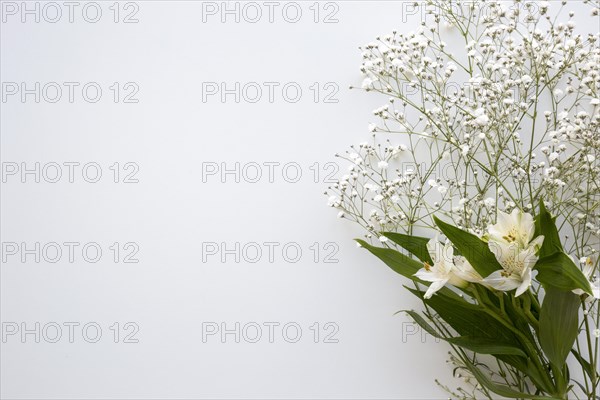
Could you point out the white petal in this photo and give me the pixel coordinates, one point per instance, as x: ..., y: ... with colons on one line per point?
x: 504, y: 220
x: 525, y: 284
x: 465, y: 271
x: 588, y: 269
x: 504, y: 251
x: 499, y: 282
x: 434, y: 287
x: 537, y: 242
x: 528, y: 258
x: 428, y: 276
x: 527, y: 225
x: 434, y: 249
x: 456, y: 280
x: 448, y: 252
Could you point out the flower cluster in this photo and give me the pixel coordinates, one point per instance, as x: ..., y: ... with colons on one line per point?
x: 513, y: 244
x: 491, y: 127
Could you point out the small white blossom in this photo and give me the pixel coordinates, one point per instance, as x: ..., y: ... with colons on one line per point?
x: 333, y: 201
x: 481, y: 118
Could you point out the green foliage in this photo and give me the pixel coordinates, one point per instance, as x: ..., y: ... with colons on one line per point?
x: 415, y: 245
x: 559, y: 322
x: 558, y: 271
x: 397, y: 261
x: 475, y: 250
x: 532, y: 341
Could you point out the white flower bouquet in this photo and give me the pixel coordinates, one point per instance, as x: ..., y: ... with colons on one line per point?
x: 498, y: 154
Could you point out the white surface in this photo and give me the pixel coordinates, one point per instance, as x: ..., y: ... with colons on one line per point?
x: 169, y: 133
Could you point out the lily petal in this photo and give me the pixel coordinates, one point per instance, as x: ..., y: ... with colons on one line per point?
x: 499, y: 282
x: 435, y: 249
x: 428, y: 276
x: 525, y: 284
x: 465, y: 271
x: 528, y: 258
x: 434, y: 287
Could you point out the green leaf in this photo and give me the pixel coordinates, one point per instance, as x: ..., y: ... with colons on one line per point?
x: 475, y: 250
x: 415, y: 245
x: 560, y: 272
x: 474, y: 344
x: 467, y: 319
x: 546, y: 226
x: 559, y: 321
x: 486, y: 346
x: 397, y: 261
x: 422, y: 323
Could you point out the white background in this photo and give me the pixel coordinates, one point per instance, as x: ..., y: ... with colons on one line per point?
x: 169, y: 133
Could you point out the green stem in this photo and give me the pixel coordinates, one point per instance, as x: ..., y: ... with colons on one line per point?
x: 532, y: 352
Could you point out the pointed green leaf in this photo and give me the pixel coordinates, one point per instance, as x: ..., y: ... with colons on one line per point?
x: 467, y: 319
x: 546, y: 226
x: 486, y: 346
x: 397, y: 261
x: 474, y: 344
x: 475, y: 250
x: 559, y: 321
x: 415, y: 245
x: 422, y: 323
x: 560, y: 272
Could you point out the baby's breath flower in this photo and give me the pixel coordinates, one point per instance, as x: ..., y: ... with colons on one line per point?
x: 496, y: 124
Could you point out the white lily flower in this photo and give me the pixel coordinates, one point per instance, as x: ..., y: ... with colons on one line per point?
x: 511, y: 240
x: 517, y: 227
x: 516, y: 263
x: 442, y: 270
